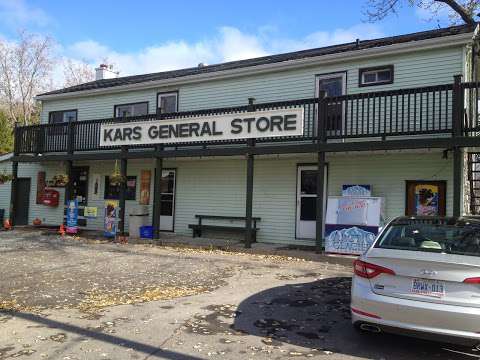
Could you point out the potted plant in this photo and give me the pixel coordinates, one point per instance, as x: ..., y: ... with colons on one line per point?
x: 116, y: 178
x: 5, y: 177
x: 60, y: 179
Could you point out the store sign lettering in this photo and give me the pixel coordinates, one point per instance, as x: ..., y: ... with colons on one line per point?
x: 261, y: 124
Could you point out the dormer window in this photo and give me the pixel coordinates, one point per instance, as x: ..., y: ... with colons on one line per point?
x: 167, y: 102
x: 379, y: 75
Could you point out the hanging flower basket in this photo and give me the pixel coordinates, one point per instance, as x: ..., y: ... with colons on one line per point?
x: 116, y: 178
x: 4, y: 177
x: 60, y: 179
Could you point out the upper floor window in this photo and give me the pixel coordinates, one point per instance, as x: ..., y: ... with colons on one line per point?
x: 135, y: 109
x: 64, y: 116
x: 167, y: 102
x: 376, y: 75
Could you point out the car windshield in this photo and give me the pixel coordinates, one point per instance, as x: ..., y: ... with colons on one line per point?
x: 457, y: 237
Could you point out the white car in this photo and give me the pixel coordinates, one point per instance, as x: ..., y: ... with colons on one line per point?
x: 421, y: 277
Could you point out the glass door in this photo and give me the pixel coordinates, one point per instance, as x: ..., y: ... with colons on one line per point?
x: 307, y: 200
x: 333, y: 85
x: 167, y: 193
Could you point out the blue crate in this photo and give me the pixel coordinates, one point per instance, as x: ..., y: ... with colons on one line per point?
x: 146, y: 232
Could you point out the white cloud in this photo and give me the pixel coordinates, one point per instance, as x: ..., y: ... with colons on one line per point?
x: 227, y: 45
x: 17, y: 13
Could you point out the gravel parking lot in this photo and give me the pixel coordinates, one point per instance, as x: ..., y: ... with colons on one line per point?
x: 86, y: 299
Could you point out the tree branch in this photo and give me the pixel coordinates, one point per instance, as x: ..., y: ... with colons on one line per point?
x: 460, y: 10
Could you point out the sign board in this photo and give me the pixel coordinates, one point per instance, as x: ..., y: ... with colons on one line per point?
x: 356, y: 190
x: 90, y: 212
x: 245, y: 125
x: 72, y: 217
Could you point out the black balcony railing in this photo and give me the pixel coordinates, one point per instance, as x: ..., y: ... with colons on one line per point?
x: 387, y: 114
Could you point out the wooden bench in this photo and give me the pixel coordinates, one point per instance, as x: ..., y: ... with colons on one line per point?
x: 198, y: 228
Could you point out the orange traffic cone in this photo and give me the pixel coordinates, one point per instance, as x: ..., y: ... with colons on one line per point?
x: 61, y: 231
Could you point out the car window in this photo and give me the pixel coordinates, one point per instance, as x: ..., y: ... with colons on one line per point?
x: 454, y: 238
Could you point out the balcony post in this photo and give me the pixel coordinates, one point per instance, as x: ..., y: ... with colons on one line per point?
x: 123, y: 190
x: 457, y: 181
x: 319, y: 226
x: 457, y: 106
x: 69, y: 186
x: 157, y: 196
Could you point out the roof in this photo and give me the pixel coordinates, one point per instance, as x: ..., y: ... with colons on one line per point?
x: 303, y: 54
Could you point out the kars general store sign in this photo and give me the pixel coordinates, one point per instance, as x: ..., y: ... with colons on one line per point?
x: 247, y: 125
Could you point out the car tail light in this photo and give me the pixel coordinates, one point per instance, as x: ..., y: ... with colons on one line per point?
x: 473, y: 280
x: 368, y: 271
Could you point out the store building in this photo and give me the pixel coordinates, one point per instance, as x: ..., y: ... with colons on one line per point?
x: 269, y: 138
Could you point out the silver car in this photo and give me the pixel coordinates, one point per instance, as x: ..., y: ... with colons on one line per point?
x: 421, y: 277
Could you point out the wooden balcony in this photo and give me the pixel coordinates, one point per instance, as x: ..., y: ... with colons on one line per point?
x: 419, y: 114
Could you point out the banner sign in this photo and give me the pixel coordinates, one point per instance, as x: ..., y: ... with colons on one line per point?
x: 246, y: 125
x: 349, y: 239
x: 72, y: 217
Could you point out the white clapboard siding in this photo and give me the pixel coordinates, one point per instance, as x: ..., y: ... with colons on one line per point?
x: 414, y: 69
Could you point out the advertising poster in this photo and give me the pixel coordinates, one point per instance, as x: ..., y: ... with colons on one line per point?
x: 426, y: 198
x: 90, y: 212
x: 145, y: 178
x: 72, y: 217
x: 111, y: 214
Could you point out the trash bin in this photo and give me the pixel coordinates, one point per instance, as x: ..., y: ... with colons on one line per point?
x: 138, y: 218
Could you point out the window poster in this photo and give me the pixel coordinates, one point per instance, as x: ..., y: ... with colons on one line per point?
x: 426, y: 198
x: 145, y: 178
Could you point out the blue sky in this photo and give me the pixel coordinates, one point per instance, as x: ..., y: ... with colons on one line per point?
x: 147, y: 36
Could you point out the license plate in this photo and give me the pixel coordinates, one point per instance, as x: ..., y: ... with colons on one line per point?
x: 428, y: 287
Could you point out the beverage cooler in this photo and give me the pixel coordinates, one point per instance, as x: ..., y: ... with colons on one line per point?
x: 352, y: 223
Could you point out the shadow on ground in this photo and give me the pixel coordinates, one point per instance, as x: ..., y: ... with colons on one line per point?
x: 316, y: 315
x: 149, y: 350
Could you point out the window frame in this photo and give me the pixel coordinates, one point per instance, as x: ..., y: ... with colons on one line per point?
x: 173, y: 92
x: 50, y: 113
x: 362, y: 71
x: 130, y: 104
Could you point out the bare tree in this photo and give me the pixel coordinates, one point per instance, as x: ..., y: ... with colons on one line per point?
x: 461, y: 10
x: 77, y: 72
x: 25, y: 69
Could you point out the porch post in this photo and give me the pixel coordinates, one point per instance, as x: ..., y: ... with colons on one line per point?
x: 123, y: 189
x: 13, y: 187
x: 13, y: 193
x: 319, y: 229
x: 457, y: 126
x: 249, y: 198
x: 457, y: 181
x: 157, y: 200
